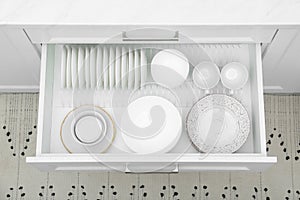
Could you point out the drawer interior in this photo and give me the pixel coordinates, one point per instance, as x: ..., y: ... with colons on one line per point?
x: 58, y: 101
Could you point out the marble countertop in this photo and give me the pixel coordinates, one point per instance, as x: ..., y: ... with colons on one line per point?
x: 154, y: 12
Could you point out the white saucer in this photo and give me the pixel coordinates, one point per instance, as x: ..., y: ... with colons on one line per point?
x: 87, y: 129
x: 218, y: 124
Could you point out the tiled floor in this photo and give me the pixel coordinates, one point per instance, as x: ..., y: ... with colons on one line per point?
x: 18, y: 116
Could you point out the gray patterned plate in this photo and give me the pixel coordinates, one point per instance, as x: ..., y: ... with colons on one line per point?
x: 218, y: 124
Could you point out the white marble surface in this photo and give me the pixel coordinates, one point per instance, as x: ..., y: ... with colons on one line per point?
x: 154, y: 12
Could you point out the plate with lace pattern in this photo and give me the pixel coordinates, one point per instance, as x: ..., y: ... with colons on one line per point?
x: 218, y: 123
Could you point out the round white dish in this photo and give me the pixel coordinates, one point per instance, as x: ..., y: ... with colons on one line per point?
x: 218, y: 124
x: 112, y: 67
x: 118, y: 67
x: 93, y: 55
x: 206, y: 75
x: 143, y: 67
x: 74, y: 63
x: 124, y: 67
x: 130, y: 68
x: 68, y: 70
x: 99, y: 68
x: 170, y: 67
x: 105, y: 67
x: 87, y: 129
x: 81, y: 76
x: 87, y: 67
x: 152, y: 124
x: 63, y: 67
x: 234, y: 75
x: 137, y: 69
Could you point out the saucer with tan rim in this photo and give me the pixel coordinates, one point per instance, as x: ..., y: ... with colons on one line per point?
x: 87, y: 129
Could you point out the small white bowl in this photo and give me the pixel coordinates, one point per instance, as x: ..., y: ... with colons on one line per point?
x: 206, y: 75
x: 234, y: 75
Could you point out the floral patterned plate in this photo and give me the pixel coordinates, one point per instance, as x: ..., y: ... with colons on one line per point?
x: 218, y: 124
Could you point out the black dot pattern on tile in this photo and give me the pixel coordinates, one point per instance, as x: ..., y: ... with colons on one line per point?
x: 12, y: 143
x: 201, y: 190
x: 17, y: 193
x: 47, y: 193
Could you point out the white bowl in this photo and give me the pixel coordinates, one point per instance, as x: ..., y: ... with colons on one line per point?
x: 170, y: 68
x: 234, y: 75
x: 206, y: 75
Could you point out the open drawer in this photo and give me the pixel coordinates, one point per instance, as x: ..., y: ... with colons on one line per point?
x: 55, y: 102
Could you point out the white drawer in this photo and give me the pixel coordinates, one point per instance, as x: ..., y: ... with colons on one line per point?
x: 54, y: 103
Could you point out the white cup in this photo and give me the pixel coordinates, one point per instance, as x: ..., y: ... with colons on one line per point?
x: 234, y: 75
x: 206, y: 75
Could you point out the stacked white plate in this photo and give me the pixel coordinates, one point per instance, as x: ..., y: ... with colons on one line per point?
x: 151, y: 124
x: 87, y: 129
x: 103, y: 67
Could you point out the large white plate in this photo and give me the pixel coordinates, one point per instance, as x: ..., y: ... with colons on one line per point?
x: 105, y: 67
x: 74, y: 70
x: 112, y: 59
x: 137, y: 69
x: 118, y: 67
x: 130, y: 68
x: 81, y: 76
x: 99, y: 68
x: 63, y: 67
x: 93, y: 55
x: 151, y: 124
x: 143, y: 67
x: 124, y: 67
x: 87, y: 67
x: 69, y: 137
x: 218, y: 124
x: 68, y: 70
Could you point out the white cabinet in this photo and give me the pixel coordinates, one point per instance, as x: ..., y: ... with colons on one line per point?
x: 19, y: 66
x: 56, y: 103
x: 281, y: 63
x: 104, y: 33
